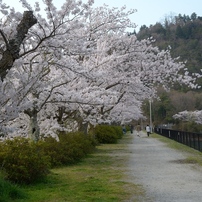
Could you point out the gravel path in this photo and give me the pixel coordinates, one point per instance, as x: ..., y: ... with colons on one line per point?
x: 162, y: 172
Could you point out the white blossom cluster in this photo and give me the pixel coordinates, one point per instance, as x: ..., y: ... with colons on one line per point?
x: 190, y: 116
x: 79, y: 66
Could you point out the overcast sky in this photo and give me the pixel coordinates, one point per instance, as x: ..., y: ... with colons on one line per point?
x: 152, y: 11
x: 148, y: 11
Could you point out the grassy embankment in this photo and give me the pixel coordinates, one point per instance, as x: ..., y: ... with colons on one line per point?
x: 100, y: 177
x: 192, y: 156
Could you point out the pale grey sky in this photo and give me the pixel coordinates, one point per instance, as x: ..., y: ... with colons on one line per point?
x: 152, y: 11
x: 148, y: 11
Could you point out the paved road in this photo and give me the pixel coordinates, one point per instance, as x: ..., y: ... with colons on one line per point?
x: 162, y: 173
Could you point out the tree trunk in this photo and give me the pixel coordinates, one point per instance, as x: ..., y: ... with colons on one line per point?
x: 13, y: 46
x: 34, y: 130
x: 83, y: 127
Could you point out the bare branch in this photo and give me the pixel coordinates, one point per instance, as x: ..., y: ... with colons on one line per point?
x: 13, y: 46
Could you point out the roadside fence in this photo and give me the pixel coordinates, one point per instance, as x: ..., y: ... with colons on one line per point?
x: 193, y: 140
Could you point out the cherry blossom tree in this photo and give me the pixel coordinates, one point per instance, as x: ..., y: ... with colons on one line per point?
x: 44, y: 37
x: 192, y: 116
x: 77, y: 65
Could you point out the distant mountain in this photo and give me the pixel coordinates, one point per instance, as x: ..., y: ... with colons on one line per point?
x: 184, y: 34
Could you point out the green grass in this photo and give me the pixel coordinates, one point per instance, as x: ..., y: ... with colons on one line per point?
x: 98, y: 178
x: 101, y: 177
x: 9, y: 192
x: 192, y: 156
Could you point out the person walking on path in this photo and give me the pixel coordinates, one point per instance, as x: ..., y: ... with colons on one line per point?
x: 124, y: 129
x: 148, y: 130
x: 138, y: 129
x: 131, y: 128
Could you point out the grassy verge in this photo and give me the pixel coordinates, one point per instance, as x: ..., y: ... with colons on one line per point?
x: 193, y: 156
x: 9, y: 192
x: 100, y: 177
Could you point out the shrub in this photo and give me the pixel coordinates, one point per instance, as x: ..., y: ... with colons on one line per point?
x: 26, y: 162
x: 127, y: 128
x: 105, y: 134
x: 118, y: 130
x: 71, y: 148
x: 23, y: 161
x: 188, y: 127
x: 52, y: 149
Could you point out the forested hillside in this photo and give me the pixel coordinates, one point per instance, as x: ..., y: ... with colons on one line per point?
x: 183, y: 34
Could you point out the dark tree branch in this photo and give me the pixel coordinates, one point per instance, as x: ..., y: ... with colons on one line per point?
x: 13, y: 46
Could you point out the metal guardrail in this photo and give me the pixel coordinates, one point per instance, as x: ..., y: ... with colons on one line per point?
x: 193, y: 140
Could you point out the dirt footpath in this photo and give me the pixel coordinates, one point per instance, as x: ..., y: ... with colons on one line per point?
x: 162, y: 172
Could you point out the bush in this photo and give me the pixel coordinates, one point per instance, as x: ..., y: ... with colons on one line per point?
x: 23, y: 161
x: 118, y: 130
x: 106, y: 134
x: 52, y: 149
x: 188, y: 127
x: 26, y: 162
x: 127, y: 128
x: 71, y: 148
